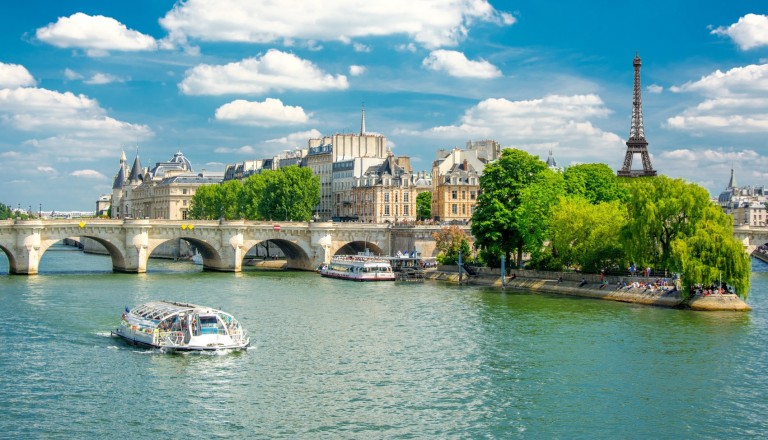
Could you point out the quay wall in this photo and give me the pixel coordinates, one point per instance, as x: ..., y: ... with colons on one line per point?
x: 547, y: 282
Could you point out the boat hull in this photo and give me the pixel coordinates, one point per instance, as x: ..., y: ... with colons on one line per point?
x: 138, y: 343
x: 340, y: 276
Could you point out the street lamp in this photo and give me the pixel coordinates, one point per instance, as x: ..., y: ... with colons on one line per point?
x: 40, y: 211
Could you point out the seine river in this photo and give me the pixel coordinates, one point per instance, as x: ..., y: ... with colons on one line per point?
x: 336, y: 359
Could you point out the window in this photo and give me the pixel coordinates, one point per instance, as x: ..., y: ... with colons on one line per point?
x: 386, y: 197
x: 386, y: 210
x: 185, y: 203
x: 184, y: 191
x: 406, y: 197
x: 463, y: 209
x: 463, y: 195
x: 406, y: 211
x: 472, y: 195
x: 454, y: 195
x: 454, y: 209
x: 395, y: 197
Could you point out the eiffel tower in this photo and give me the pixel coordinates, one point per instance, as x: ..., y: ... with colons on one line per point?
x: 636, y: 144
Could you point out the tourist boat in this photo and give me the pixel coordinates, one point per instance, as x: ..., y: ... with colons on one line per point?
x: 358, y: 268
x: 176, y: 326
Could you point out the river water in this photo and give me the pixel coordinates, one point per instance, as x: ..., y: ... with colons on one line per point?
x: 338, y: 359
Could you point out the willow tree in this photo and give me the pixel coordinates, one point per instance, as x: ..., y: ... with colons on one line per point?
x: 494, y: 224
x: 711, y: 255
x: 587, y: 235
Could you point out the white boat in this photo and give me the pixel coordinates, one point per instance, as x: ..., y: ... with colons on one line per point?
x: 176, y: 326
x: 358, y: 268
x: 197, y: 258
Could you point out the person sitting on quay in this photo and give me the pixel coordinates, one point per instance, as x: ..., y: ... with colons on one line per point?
x: 583, y: 282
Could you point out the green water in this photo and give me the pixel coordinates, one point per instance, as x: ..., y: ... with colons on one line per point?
x: 338, y: 359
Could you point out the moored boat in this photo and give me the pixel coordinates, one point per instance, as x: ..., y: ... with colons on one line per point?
x: 358, y: 268
x: 179, y: 326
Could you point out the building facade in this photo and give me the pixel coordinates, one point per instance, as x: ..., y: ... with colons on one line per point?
x: 745, y: 204
x: 456, y: 184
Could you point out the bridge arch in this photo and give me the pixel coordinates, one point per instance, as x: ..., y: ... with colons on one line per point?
x: 212, y: 258
x: 296, y: 256
x: 115, y: 252
x: 355, y: 247
x: 11, y: 259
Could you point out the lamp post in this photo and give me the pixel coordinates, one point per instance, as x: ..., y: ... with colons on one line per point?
x: 40, y: 212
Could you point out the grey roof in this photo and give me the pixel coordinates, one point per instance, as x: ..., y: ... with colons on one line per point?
x: 120, y: 177
x: 136, y: 172
x: 551, y: 162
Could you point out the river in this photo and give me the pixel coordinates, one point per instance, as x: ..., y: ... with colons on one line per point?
x: 337, y: 359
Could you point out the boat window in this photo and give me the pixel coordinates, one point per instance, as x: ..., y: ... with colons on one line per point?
x: 208, y: 325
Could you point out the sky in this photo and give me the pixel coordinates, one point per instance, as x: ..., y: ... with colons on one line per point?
x: 224, y: 81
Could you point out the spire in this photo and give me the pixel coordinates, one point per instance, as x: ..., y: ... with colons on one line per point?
x: 551, y: 162
x: 136, y: 171
x: 732, y: 182
x: 636, y: 144
x: 362, y: 121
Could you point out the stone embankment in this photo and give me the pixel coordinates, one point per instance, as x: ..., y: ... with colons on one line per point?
x: 574, y: 284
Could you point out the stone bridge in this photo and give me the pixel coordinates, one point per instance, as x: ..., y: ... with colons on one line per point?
x: 751, y: 236
x: 223, y: 244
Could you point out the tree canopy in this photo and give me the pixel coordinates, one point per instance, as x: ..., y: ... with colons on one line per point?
x: 494, y: 224
x: 289, y: 193
x: 424, y: 206
x: 449, y: 241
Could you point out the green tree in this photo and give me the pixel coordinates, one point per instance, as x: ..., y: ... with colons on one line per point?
x: 449, y: 241
x: 711, y: 255
x: 587, y: 235
x: 494, y: 223
x: 532, y: 216
x: 424, y: 206
x: 595, y: 182
x: 253, y: 188
x: 661, y: 209
x: 290, y: 193
x: 5, y: 212
x: 206, y: 203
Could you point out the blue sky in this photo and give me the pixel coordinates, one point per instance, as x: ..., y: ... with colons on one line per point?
x: 225, y: 81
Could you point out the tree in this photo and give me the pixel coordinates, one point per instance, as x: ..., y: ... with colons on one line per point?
x: 587, y: 235
x: 231, y: 199
x: 532, y: 216
x: 711, y: 255
x: 449, y: 242
x: 424, y: 206
x: 595, y: 182
x: 5, y: 212
x: 661, y: 209
x: 206, y: 203
x: 494, y: 223
x: 290, y: 193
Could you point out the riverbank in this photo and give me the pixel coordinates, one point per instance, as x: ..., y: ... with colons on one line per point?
x: 589, y: 286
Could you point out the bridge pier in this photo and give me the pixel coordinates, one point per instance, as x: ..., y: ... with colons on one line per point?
x: 27, y: 253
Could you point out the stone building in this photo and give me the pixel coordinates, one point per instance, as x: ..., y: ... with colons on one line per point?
x: 164, y: 191
x: 745, y: 204
x: 455, y: 184
x: 387, y: 192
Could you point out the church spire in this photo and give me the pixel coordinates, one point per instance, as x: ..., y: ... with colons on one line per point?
x: 362, y: 121
x: 732, y: 182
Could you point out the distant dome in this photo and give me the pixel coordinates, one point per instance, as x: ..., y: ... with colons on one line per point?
x: 179, y: 158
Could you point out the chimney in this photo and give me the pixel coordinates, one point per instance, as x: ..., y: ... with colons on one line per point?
x: 465, y: 165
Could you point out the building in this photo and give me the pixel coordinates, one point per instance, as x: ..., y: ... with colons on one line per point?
x: 386, y: 193
x: 102, y: 204
x: 552, y: 163
x: 745, y: 204
x: 164, y: 191
x: 487, y: 150
x: 320, y: 160
x: 345, y: 174
x: 456, y: 184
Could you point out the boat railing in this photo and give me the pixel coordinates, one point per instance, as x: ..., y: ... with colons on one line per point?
x: 238, y: 336
x: 171, y: 338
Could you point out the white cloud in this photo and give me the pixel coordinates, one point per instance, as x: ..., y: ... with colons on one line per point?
x: 96, y: 34
x: 299, y: 138
x: 456, y: 64
x: 47, y: 170
x: 71, y: 75
x: 430, y: 23
x: 562, y: 123
x: 735, y: 101
x: 359, y: 47
x: 654, y: 88
x: 67, y: 124
x: 88, y: 174
x: 275, y: 70
x: 246, y: 149
x: 749, y: 32
x: 357, y: 70
x: 410, y: 47
x: 269, y: 113
x: 15, y: 75
x: 103, y: 78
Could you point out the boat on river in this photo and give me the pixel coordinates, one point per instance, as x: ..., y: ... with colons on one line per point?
x: 358, y: 268
x: 177, y: 326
